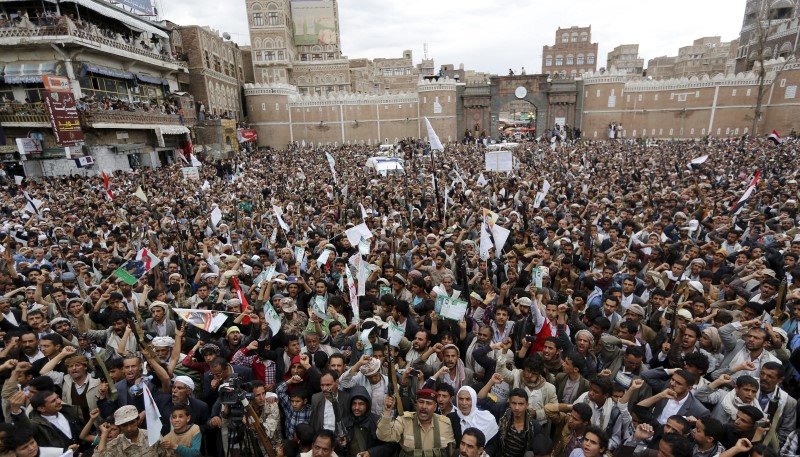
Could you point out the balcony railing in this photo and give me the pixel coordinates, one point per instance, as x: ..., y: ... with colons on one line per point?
x: 91, y: 118
x: 62, y: 31
x: 23, y: 113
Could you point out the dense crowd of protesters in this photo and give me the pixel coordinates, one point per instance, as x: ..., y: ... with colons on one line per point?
x: 635, y: 308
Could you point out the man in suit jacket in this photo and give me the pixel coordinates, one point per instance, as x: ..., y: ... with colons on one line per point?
x: 573, y: 365
x: 673, y: 398
x: 400, y: 314
x: 330, y: 406
x: 132, y: 367
x: 158, y: 324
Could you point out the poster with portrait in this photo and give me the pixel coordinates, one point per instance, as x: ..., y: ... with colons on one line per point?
x: 314, y: 22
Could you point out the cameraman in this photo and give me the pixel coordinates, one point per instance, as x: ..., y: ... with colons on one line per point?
x: 221, y: 373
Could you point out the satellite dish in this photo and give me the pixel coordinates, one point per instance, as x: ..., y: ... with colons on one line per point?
x: 226, y: 35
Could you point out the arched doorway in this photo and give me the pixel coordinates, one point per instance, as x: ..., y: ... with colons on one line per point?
x: 517, y: 117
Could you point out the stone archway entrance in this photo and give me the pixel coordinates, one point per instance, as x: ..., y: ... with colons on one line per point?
x: 520, y: 99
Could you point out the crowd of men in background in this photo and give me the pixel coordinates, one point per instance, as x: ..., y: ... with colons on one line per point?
x: 641, y: 305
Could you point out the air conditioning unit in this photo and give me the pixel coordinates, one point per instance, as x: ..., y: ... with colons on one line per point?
x: 84, y: 161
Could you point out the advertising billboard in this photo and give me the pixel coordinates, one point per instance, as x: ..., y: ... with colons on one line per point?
x: 142, y: 6
x: 314, y: 22
x: 62, y: 110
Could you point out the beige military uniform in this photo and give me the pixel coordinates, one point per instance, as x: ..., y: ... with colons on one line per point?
x: 415, y: 441
x: 122, y: 446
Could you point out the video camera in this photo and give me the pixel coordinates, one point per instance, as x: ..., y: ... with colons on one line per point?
x: 233, y: 391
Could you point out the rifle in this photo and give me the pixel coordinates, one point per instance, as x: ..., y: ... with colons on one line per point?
x: 112, y: 388
x: 778, y: 314
x: 138, y: 331
x: 394, y: 391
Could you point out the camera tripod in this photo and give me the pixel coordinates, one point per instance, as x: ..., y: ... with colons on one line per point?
x: 247, y: 439
x: 242, y: 441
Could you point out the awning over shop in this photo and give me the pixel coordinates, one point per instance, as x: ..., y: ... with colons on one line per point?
x: 98, y: 70
x: 162, y: 130
x: 152, y: 80
x: 173, y: 129
x: 111, y: 11
x: 26, y: 73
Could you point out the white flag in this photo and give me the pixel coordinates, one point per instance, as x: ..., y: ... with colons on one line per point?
x: 492, y: 234
x: 273, y: 319
x: 363, y: 212
x: 195, y: 162
x: 140, y: 194
x: 205, y: 185
x: 278, y: 211
x: 433, y: 138
x: 354, y: 234
x: 482, y: 180
x: 332, y: 163
x: 541, y: 194
x: 323, y: 257
x: 152, y: 416
x: 216, y: 216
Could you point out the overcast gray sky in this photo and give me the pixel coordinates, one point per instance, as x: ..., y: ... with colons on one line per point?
x: 493, y: 36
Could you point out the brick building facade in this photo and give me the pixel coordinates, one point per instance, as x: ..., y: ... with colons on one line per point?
x: 720, y: 105
x: 216, y: 70
x: 572, y: 54
x: 770, y: 29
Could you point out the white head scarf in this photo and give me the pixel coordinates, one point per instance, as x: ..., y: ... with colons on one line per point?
x: 482, y: 420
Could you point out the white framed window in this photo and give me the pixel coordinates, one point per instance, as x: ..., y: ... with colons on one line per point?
x: 570, y: 59
x: 559, y: 61
x: 548, y: 61
x: 733, y: 93
x: 579, y: 59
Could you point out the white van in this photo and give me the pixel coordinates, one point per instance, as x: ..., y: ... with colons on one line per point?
x: 385, y: 165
